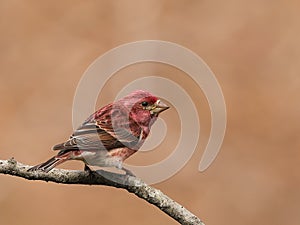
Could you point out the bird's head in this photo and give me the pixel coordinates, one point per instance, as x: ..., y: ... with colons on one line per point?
x: 144, y: 107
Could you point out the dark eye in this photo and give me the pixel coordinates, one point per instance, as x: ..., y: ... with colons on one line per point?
x: 144, y: 104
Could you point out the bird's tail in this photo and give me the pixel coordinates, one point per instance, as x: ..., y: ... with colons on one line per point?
x: 51, y: 163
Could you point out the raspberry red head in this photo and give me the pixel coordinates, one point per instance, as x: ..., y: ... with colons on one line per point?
x: 137, y: 96
x: 144, y: 107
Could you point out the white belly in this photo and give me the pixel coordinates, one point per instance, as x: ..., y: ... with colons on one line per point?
x: 100, y: 158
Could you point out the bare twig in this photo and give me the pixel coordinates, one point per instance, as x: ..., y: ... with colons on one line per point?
x: 131, y: 184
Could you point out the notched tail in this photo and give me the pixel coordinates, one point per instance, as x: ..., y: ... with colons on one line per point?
x: 51, y: 163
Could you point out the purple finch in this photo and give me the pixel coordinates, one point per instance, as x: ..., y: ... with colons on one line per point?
x: 111, y: 134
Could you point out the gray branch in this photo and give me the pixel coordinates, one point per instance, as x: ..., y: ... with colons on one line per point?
x: 131, y: 184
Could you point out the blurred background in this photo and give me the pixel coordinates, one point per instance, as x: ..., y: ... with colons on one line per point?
x: 253, y: 49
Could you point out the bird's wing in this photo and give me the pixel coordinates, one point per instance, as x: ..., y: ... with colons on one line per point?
x: 106, y: 129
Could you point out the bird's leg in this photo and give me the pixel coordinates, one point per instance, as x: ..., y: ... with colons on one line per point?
x: 87, y: 169
x: 128, y: 172
x: 119, y: 166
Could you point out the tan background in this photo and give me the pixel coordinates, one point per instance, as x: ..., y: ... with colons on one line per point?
x: 253, y: 48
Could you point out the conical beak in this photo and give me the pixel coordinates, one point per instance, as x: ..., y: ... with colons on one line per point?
x: 159, y: 107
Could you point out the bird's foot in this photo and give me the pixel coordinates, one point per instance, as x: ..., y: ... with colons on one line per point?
x: 87, y: 169
x: 128, y: 172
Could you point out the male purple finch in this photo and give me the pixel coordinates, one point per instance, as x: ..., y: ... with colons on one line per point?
x: 111, y: 134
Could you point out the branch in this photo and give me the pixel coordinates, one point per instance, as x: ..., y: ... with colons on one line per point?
x: 131, y: 184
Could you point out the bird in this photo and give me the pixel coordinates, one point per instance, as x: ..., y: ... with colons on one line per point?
x: 111, y: 134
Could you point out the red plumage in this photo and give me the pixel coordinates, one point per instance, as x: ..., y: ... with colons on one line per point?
x: 111, y: 134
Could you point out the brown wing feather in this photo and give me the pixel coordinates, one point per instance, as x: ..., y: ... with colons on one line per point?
x: 108, y: 128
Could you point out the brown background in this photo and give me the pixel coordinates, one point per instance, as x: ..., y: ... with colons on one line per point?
x: 252, y: 47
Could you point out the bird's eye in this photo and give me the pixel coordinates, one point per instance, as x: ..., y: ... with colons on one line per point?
x: 144, y: 104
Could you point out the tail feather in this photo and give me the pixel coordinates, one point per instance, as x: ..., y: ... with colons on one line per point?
x: 51, y: 163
